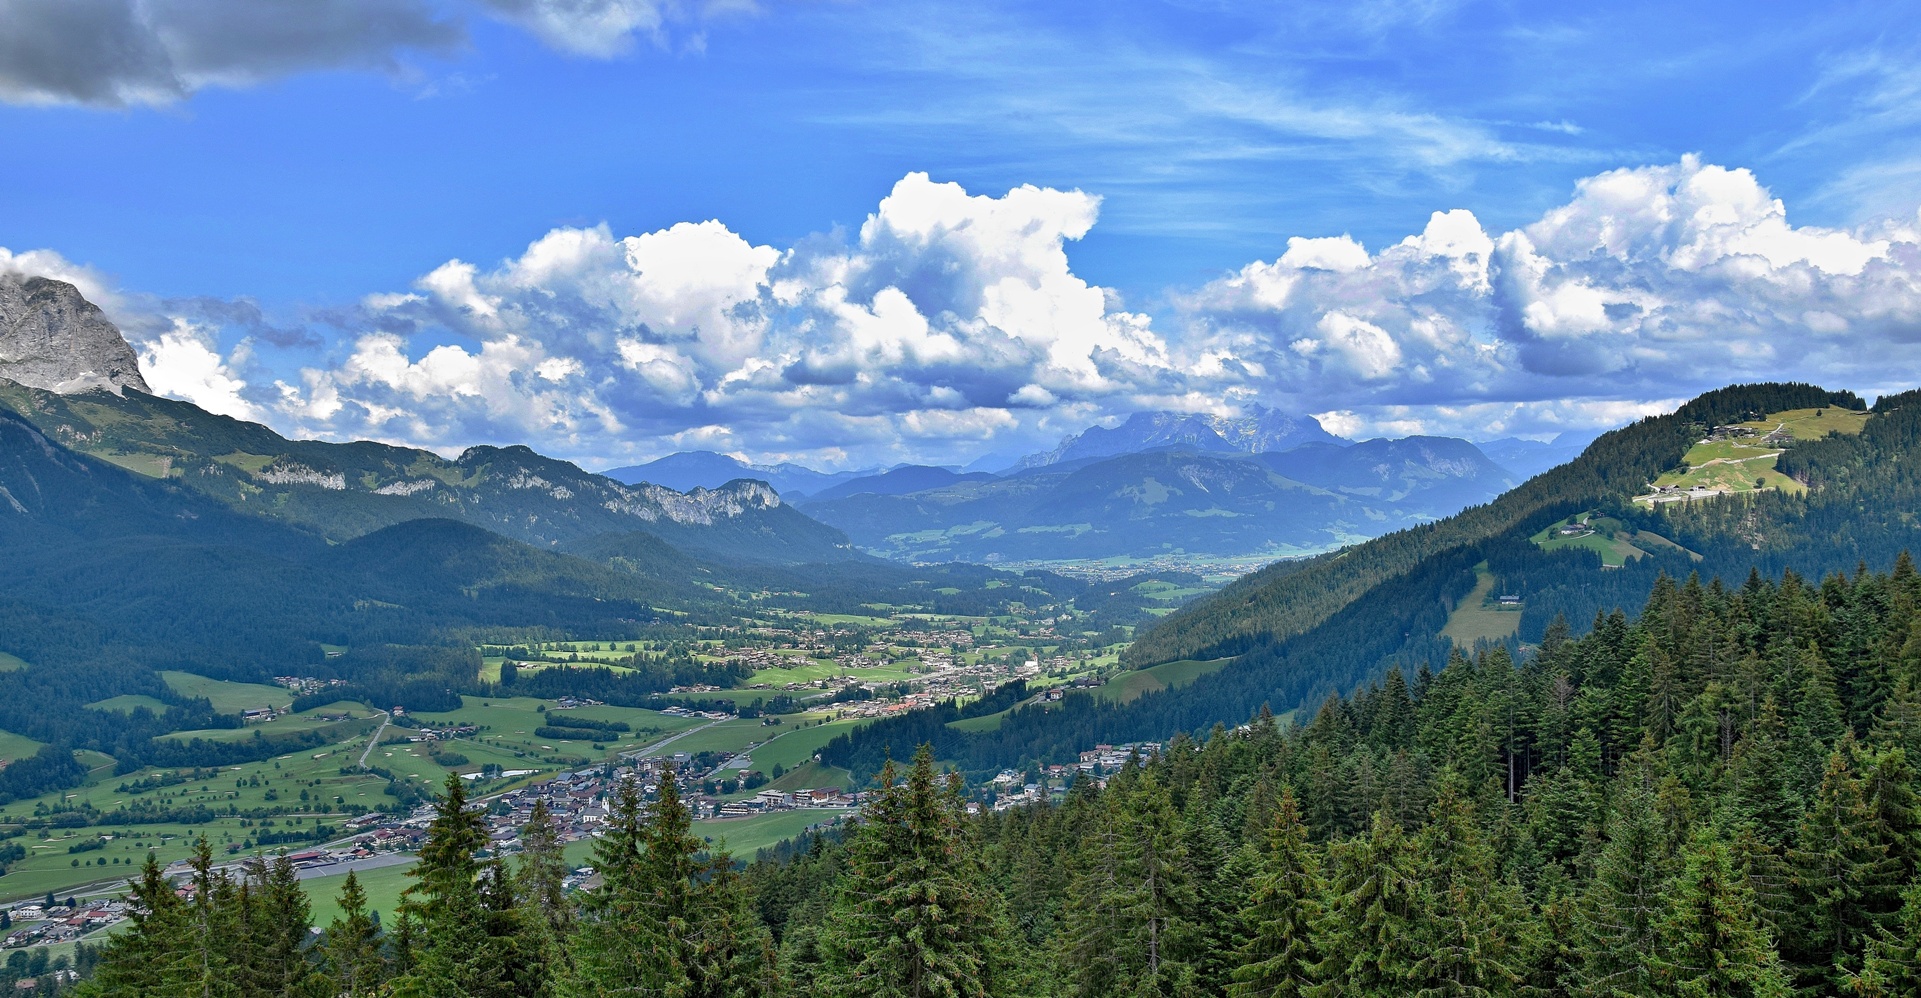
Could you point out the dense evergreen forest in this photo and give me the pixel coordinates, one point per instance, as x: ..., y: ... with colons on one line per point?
x: 1716, y: 798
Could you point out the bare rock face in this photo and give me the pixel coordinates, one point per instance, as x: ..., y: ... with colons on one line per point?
x: 52, y: 337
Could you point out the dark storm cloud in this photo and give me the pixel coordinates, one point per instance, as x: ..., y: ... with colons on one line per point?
x: 245, y: 317
x: 121, y: 52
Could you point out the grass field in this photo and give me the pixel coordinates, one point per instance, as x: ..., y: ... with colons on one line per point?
x: 507, y: 739
x: 1158, y: 589
x: 1477, y: 618
x: 879, y: 673
x: 797, y: 745
x: 1649, y: 541
x: 287, y: 724
x: 14, y: 746
x: 383, y: 887
x: 269, y: 783
x: 302, y: 784
x: 1129, y: 686
x: 1610, y: 539
x: 228, y: 698
x: 1812, y: 424
x: 746, y: 836
x: 1738, y: 465
x: 976, y: 725
x: 727, y: 736
x: 812, y: 774
x: 9, y: 663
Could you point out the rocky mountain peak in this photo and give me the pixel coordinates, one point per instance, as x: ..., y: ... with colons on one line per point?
x: 1256, y: 430
x: 52, y: 337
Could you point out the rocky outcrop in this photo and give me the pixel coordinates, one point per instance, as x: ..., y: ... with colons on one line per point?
x: 52, y: 337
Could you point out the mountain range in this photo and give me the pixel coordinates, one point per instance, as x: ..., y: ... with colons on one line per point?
x: 340, y: 491
x: 1261, y: 484
x: 1255, y: 431
x: 1165, y: 502
x: 690, y: 470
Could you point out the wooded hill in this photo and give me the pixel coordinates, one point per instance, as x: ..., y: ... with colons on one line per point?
x: 1284, y: 601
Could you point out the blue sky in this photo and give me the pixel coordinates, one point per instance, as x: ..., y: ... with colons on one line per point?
x: 262, y: 205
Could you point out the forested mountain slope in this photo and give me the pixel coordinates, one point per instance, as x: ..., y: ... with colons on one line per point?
x: 342, y: 491
x: 1279, y: 603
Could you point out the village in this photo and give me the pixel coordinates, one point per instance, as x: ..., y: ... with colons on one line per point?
x: 830, y: 674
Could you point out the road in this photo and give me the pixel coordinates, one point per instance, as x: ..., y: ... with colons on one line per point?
x: 642, y: 753
x: 375, y: 740
x: 356, y: 865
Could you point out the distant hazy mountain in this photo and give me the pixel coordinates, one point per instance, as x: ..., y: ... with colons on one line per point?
x: 1527, y: 458
x: 1167, y: 502
x: 706, y: 469
x: 901, y: 481
x: 1258, y: 430
x: 1420, y: 476
x: 52, y: 337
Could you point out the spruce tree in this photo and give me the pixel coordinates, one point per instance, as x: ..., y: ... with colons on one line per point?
x: 1711, y: 942
x: 906, y: 922
x: 1842, y: 877
x: 1217, y: 898
x: 1278, y: 961
x: 146, y: 957
x: 1476, y: 929
x: 285, y: 918
x: 612, y: 949
x: 1369, y: 928
x: 1618, y: 914
x: 351, y: 957
x: 1891, y: 967
x: 453, y: 953
x: 732, y: 953
x: 208, y: 968
x: 541, y: 885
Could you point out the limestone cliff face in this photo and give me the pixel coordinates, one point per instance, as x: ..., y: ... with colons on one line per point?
x: 51, y: 337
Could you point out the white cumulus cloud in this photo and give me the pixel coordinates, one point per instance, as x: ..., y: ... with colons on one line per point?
x: 1650, y: 283
x: 952, y: 324
x: 185, y: 363
x: 947, y: 316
